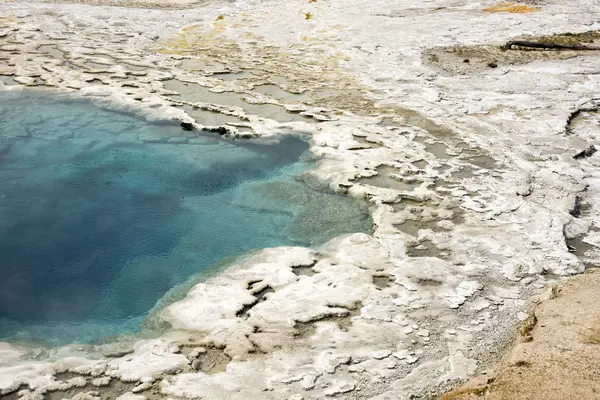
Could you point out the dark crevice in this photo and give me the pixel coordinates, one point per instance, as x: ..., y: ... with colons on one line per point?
x: 344, y: 322
x: 574, y: 116
x: 221, y: 130
x: 243, y: 312
x: 428, y: 282
x: 571, y: 118
x: 187, y: 126
x: 576, y: 211
x: 383, y: 281
x: 260, y: 297
x: 306, y: 270
x: 252, y: 283
x: 256, y: 349
x: 588, y: 152
x: 14, y: 394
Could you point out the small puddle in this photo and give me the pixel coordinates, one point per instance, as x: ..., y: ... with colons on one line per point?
x: 193, y: 92
x: 278, y: 79
x: 421, y: 164
x: 464, y: 172
x: 195, y: 65
x: 426, y: 248
x: 414, y: 118
x: 587, y: 253
x: 134, y: 67
x: 438, y: 149
x: 411, y: 227
x: 232, y: 76
x: 98, y: 66
x: 278, y: 93
x: 8, y: 80
x: 53, y: 51
x: 418, y: 216
x: 405, y: 203
x: 483, y: 162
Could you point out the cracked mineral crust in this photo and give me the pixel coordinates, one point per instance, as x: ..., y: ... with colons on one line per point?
x: 465, y: 153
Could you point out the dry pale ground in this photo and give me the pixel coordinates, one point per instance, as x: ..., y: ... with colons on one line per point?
x: 557, y: 353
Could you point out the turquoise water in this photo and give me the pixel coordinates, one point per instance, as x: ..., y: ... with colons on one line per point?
x: 102, y: 213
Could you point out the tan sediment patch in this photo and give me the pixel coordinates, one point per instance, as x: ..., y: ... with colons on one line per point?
x: 479, y: 58
x: 461, y: 393
x: 512, y: 8
x: 210, y: 360
x: 593, y: 335
x: 560, y: 359
x: 569, y: 38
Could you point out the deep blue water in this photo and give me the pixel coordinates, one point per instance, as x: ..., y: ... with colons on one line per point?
x: 102, y: 213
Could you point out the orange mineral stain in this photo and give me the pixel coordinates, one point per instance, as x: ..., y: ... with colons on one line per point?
x: 512, y: 8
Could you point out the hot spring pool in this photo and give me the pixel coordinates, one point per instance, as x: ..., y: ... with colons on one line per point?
x: 102, y: 213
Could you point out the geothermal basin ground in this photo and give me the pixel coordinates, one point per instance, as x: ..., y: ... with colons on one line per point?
x: 408, y: 181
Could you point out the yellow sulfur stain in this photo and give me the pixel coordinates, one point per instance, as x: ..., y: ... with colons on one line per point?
x: 512, y: 8
x: 191, y: 28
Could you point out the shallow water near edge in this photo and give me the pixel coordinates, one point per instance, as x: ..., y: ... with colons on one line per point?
x: 102, y: 213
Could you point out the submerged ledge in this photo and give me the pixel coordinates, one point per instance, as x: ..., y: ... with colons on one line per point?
x: 468, y: 166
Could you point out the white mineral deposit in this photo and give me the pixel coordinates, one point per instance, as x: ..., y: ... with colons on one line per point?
x: 476, y: 160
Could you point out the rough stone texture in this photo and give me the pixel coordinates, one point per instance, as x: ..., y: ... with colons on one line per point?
x: 558, y: 356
